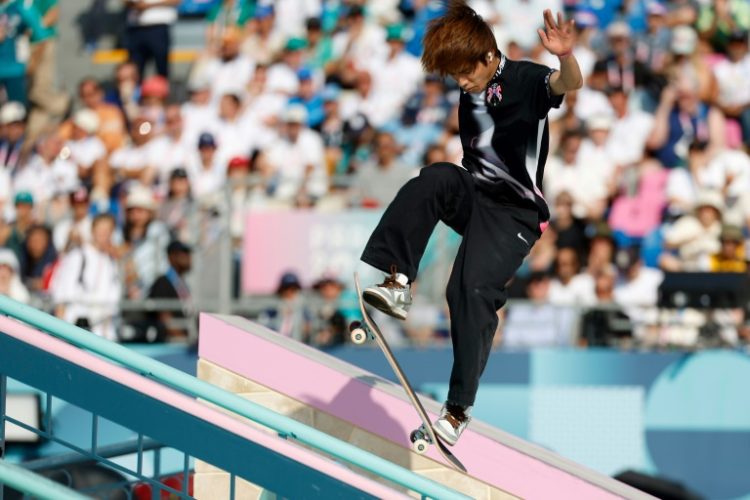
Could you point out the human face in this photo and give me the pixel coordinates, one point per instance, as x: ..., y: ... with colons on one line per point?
x: 476, y: 80
x: 101, y: 233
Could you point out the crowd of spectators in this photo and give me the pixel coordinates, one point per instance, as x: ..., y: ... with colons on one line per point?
x: 322, y: 104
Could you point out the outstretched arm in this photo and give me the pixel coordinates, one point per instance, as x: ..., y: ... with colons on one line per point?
x: 559, y: 39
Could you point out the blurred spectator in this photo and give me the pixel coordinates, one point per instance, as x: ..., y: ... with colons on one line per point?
x: 376, y: 182
x: 694, y: 238
x: 206, y: 170
x: 154, y: 94
x: 569, y: 286
x: 639, y: 204
x: 145, y: 242
x: 136, y: 160
x: 290, y: 318
x: 731, y: 258
x: 687, y: 61
x: 265, y: 43
x: 228, y: 70
x: 17, y: 20
x: 242, y: 196
x: 357, y: 43
x: 330, y: 322
x: 75, y: 230
x: 297, y: 161
x: 198, y: 113
x: 538, y: 322
x: 652, y: 47
x: 718, y: 19
x: 38, y: 256
x: 639, y: 284
x: 225, y: 16
x: 112, y: 129
x: 126, y: 93
x: 10, y: 283
x: 237, y: 134
x: 179, y: 206
x: 583, y: 183
x: 87, y: 287
x: 172, y: 286
x: 86, y: 150
x: 569, y: 229
x: 732, y: 75
x: 12, y: 136
x: 308, y: 96
x: 49, y: 105
x: 148, y: 36
x: 320, y: 44
x: 172, y: 148
x: 601, y: 249
x: 605, y: 279
x: 47, y: 174
x: 619, y: 67
x: 682, y: 118
x: 594, y: 157
x: 684, y: 184
x: 282, y: 76
x: 630, y: 129
x: 23, y: 202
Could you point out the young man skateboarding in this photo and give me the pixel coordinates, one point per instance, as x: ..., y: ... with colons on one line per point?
x: 493, y: 199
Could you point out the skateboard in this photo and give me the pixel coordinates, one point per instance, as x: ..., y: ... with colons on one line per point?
x: 423, y: 436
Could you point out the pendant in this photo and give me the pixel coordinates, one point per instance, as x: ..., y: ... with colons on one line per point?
x: 494, y: 94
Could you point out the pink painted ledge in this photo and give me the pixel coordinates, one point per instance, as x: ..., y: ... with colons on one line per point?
x: 182, y: 402
x: 381, y: 407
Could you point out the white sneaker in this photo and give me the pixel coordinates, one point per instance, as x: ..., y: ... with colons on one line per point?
x: 392, y: 296
x: 451, y: 423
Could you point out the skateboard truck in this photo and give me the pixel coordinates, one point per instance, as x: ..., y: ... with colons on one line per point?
x: 420, y: 440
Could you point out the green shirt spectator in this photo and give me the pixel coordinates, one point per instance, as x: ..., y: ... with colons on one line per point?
x: 231, y: 12
x: 44, y: 8
x: 720, y: 18
x: 15, y: 20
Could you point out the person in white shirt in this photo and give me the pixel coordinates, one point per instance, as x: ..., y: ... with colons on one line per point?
x: 47, y: 174
x: 692, y: 239
x: 10, y: 283
x: 282, y: 76
x: 87, y: 287
x: 733, y: 75
x: 360, y: 41
x: 630, y: 129
x: 296, y: 161
x: 75, y: 230
x: 147, y: 35
x: 593, y: 155
x: 229, y: 70
x: 234, y: 132
x: 395, y: 78
x: 570, y: 286
x: 84, y: 148
x: 206, y: 170
x: 136, y: 160
x: 172, y: 148
x: 637, y: 289
x: 198, y: 113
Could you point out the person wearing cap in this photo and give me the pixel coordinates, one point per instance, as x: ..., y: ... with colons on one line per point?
x: 266, y: 42
x: 153, y: 98
x: 242, y: 196
x: 310, y: 97
x: 686, y: 60
x: 145, y: 239
x: 84, y: 148
x: 147, y: 36
x: 12, y: 135
x: 283, y: 76
x: 172, y: 285
x: 732, y: 257
x: 396, y: 77
x: 296, y: 161
x: 733, y: 77
x: 48, y: 174
x: 179, y: 206
x: 290, y: 317
x: 19, y: 19
x: 24, y: 218
x: 693, y: 238
x: 320, y: 44
x: 74, y: 230
x: 329, y: 320
x: 620, y: 66
x: 87, y: 286
x: 206, y: 169
x: 10, y: 283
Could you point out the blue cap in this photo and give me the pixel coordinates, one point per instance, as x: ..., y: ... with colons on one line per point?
x: 206, y: 140
x: 263, y: 11
x: 304, y: 74
x: 289, y: 280
x: 331, y: 92
x: 585, y: 18
x: 24, y: 197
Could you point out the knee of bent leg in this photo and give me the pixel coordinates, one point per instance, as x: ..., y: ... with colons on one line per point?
x: 439, y: 172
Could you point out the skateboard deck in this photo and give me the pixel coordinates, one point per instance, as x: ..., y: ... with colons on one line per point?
x: 426, y: 428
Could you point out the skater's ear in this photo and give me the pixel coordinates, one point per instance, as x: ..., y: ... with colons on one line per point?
x: 490, y: 56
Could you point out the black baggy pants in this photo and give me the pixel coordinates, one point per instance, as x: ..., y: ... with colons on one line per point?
x: 147, y: 43
x: 496, y: 239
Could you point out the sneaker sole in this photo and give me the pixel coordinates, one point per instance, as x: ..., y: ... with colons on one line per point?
x: 382, y: 305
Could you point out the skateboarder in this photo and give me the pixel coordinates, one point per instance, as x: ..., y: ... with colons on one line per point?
x: 493, y: 199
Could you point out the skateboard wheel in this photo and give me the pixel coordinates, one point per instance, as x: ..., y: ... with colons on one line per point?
x: 419, y: 443
x: 359, y: 336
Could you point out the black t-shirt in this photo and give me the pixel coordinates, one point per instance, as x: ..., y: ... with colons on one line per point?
x: 505, y: 145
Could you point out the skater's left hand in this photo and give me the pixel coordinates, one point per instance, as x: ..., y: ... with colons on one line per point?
x: 558, y: 38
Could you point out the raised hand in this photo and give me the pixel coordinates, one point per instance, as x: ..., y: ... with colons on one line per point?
x: 558, y: 38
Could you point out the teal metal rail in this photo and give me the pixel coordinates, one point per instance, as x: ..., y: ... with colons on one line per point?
x: 283, y: 425
x: 33, y: 484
